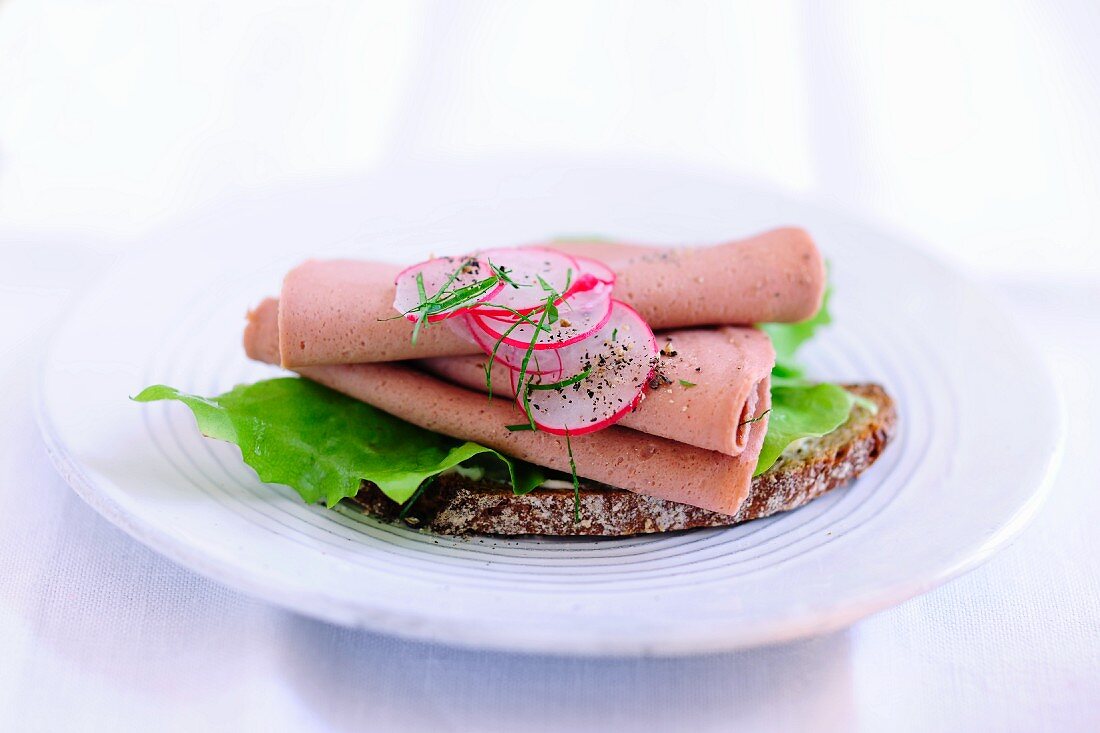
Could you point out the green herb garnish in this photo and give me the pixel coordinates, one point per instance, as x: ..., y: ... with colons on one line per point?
x: 508, y: 332
x: 563, y: 383
x: 408, y: 505
x: 758, y: 418
x: 576, y: 481
x: 502, y: 273
x: 423, y: 299
x: 442, y: 300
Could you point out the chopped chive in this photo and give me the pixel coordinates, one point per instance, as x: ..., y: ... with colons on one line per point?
x: 758, y: 418
x: 420, y: 287
x: 423, y: 298
x: 520, y: 427
x: 523, y: 369
x: 686, y: 383
x: 563, y: 383
x: 614, y: 334
x: 412, y: 499
x: 493, y: 357
x: 576, y: 481
x: 502, y: 273
x: 463, y: 295
x: 443, y: 300
x: 508, y: 332
x: 451, y: 279
x: 526, y: 402
x: 523, y: 317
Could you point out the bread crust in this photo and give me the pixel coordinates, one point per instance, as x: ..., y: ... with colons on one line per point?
x: 458, y: 506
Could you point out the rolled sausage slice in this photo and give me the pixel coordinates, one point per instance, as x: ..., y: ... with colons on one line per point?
x: 710, y: 384
x: 774, y: 277
x: 341, y: 311
x: 616, y: 456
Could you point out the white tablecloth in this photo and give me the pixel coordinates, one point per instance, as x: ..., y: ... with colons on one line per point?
x: 973, y: 125
x: 97, y: 631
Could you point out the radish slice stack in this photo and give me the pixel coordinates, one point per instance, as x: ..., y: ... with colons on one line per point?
x: 579, y: 360
x: 579, y: 316
x: 596, y: 269
x: 611, y: 369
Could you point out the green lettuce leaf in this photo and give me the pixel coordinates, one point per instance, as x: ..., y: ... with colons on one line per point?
x: 800, y: 409
x: 321, y: 443
x: 787, y: 338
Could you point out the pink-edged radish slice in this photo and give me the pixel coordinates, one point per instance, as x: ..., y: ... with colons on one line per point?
x: 579, y: 316
x: 596, y: 269
x: 547, y: 365
x: 583, y: 283
x: 544, y: 363
x: 613, y: 366
x: 464, y: 327
x: 532, y: 270
x: 446, y: 274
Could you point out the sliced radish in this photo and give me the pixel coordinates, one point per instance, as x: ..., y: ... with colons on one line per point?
x: 579, y: 316
x: 443, y: 273
x: 611, y: 366
x: 596, y: 269
x: 465, y: 328
x: 544, y: 363
x: 525, y: 267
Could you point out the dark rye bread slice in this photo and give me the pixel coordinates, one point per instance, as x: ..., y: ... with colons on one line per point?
x: 455, y: 505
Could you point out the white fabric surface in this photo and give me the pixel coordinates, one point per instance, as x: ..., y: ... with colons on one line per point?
x: 974, y: 125
x: 98, y: 632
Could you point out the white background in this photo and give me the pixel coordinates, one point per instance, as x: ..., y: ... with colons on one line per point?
x: 974, y: 125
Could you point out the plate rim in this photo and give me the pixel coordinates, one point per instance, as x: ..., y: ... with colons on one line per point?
x: 412, y: 628
x: 438, y: 629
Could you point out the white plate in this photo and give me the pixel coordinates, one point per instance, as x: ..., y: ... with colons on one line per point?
x: 979, y: 433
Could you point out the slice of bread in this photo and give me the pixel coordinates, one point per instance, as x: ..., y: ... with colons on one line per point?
x: 455, y: 505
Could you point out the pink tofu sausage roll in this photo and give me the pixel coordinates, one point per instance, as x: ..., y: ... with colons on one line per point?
x: 616, y: 456
x: 341, y: 311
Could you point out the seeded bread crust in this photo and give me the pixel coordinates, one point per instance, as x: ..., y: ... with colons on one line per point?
x: 457, y: 506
